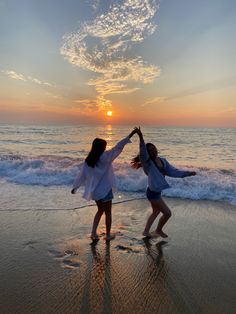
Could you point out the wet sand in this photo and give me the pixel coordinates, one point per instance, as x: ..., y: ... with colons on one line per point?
x: 48, y: 264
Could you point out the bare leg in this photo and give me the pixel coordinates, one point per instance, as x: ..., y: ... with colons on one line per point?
x: 107, y: 208
x: 151, y: 218
x: 96, y: 220
x: 164, y: 218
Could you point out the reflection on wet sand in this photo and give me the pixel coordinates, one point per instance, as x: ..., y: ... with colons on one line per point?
x: 119, y: 281
x: 156, y: 255
x: 184, y: 301
x: 125, y: 275
x: 99, y: 281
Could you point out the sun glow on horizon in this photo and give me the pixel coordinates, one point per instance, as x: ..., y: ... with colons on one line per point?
x: 109, y: 113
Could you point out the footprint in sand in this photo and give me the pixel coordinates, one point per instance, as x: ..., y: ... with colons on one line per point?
x: 126, y: 249
x: 56, y: 253
x: 29, y: 245
x: 66, y: 258
x: 70, y: 253
x: 64, y: 254
x: 69, y: 264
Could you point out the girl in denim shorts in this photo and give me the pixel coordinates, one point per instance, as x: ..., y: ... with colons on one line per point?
x: 156, y: 168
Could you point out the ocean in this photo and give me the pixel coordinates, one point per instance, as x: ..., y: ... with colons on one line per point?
x: 38, y: 164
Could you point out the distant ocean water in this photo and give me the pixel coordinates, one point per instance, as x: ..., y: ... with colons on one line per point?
x: 50, y: 157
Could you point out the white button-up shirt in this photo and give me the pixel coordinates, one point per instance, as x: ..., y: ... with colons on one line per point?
x: 98, y: 181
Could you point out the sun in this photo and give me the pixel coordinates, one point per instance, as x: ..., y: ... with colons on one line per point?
x: 109, y: 113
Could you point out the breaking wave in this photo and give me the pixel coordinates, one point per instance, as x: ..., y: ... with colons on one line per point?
x: 208, y: 184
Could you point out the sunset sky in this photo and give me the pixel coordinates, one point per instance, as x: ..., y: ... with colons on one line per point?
x: 162, y: 62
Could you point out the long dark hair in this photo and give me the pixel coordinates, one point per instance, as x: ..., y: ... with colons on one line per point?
x: 136, y: 162
x: 98, y: 147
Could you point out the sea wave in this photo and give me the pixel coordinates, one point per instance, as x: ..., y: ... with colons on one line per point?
x: 208, y: 184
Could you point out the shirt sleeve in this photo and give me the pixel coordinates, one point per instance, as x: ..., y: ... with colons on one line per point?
x: 113, y: 153
x: 79, y: 180
x: 144, y: 157
x: 171, y: 171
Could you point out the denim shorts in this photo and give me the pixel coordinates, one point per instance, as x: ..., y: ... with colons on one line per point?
x: 153, y: 195
x: 108, y: 197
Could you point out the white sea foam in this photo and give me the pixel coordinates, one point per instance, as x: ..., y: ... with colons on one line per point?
x: 208, y: 184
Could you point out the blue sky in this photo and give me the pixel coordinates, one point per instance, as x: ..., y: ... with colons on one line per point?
x: 166, y: 62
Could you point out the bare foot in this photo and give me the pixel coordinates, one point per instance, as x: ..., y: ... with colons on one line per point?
x: 154, y: 234
x: 110, y: 237
x: 161, y: 233
x: 147, y: 234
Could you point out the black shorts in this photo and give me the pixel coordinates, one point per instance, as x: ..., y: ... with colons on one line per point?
x: 151, y: 195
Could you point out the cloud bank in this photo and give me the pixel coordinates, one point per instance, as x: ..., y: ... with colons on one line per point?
x: 104, y: 46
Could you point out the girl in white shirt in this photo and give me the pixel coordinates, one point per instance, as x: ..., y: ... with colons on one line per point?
x: 98, y: 178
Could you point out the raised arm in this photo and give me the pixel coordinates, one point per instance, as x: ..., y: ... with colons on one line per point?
x: 144, y: 157
x: 113, y: 153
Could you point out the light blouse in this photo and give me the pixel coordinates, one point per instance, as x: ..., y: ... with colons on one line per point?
x: 156, y: 180
x: 98, y: 181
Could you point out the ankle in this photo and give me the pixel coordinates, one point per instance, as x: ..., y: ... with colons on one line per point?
x: 146, y: 233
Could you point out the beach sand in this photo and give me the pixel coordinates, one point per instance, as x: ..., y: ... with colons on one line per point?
x: 49, y: 265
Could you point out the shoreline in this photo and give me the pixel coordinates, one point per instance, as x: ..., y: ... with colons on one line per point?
x: 217, y: 204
